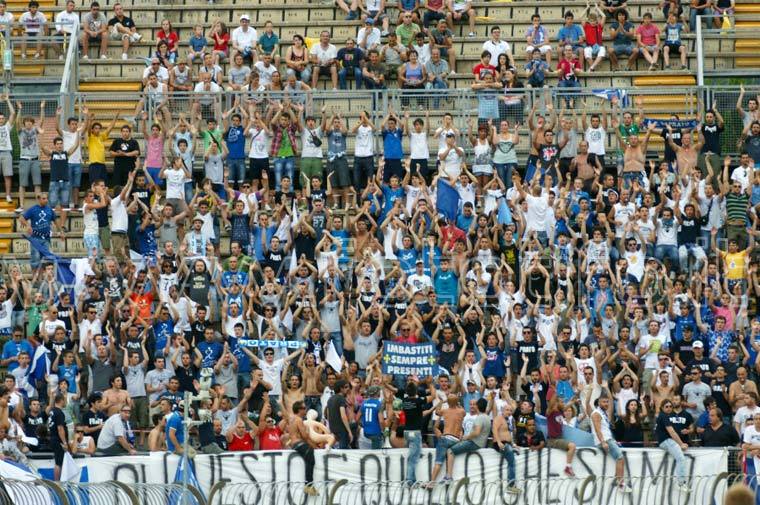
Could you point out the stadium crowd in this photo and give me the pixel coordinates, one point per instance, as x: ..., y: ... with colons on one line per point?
x: 611, y: 290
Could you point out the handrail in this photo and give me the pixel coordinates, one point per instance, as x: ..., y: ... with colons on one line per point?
x: 700, y: 54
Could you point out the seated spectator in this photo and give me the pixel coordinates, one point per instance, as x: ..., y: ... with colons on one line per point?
x: 94, y: 25
x: 350, y: 59
x: 484, y: 66
x: 536, y: 70
x: 123, y: 28
x: 208, y: 90
x: 297, y: 59
x: 6, y: 18
x: 375, y: 10
x: 239, y: 72
x: 323, y: 57
x: 65, y: 21
x: 181, y: 77
x: 406, y: 30
x: 571, y: 35
x: 221, y: 38
x: 269, y: 43
x: 368, y: 36
x: 35, y: 27
x: 648, y: 41
x: 623, y: 36
x: 442, y: 38
x: 198, y: 45
x: 374, y: 71
x: 461, y: 10
x: 116, y: 434
x: 437, y: 71
x: 351, y: 9
x: 168, y: 34
x: 83, y: 444
x: 593, y: 34
x: 538, y: 39
x: 211, y: 68
x: 244, y: 39
x: 673, y: 42
x: 422, y: 47
x: 413, y: 7
x: 568, y: 69
x: 497, y: 47
x: 155, y: 68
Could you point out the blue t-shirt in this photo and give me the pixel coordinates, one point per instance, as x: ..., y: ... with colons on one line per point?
x: 570, y: 34
x: 40, y: 219
x: 146, y: 240
x: 446, y: 286
x: 256, y: 232
x: 69, y: 374
x: 211, y: 353
x: 11, y: 349
x: 392, y: 144
x: 494, y: 364
x: 267, y: 42
x: 371, y: 417
x: 389, y: 196
x: 235, y: 139
x: 407, y: 258
x: 197, y: 43
x: 174, y: 421
x: 163, y: 331
x: 673, y: 33
x: 244, y: 361
x: 228, y: 278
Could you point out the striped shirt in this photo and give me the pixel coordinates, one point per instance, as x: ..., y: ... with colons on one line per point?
x: 736, y: 206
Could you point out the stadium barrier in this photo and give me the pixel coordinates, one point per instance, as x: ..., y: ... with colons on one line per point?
x: 268, y: 493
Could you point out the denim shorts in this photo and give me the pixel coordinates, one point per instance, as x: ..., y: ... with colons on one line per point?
x: 614, y: 449
x: 58, y: 193
x: 442, y: 446
x: 75, y: 175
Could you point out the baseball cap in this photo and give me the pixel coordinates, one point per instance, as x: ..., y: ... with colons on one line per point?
x: 245, y: 17
x: 698, y: 343
x: 198, y: 218
x: 420, y: 262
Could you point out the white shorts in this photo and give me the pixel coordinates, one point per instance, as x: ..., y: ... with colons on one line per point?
x: 544, y: 49
x: 595, y: 50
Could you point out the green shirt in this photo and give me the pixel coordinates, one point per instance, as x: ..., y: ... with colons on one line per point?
x: 627, y: 131
x: 206, y: 136
x: 406, y: 34
x: 286, y: 149
x: 34, y: 313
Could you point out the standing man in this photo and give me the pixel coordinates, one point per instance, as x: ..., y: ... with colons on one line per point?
x: 504, y: 437
x: 301, y: 442
x: 6, y: 148
x: 59, y: 439
x: 372, y: 421
x: 337, y: 415
x: 604, y: 440
x: 413, y: 407
x: 38, y: 220
x: 175, y: 431
x: 476, y: 433
x: 125, y: 151
x: 72, y: 137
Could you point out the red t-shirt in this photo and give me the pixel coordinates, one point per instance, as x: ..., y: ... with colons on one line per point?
x: 593, y: 34
x: 171, y: 38
x: 244, y: 443
x: 480, y: 70
x: 554, y: 424
x: 221, y: 42
x: 648, y: 34
x: 269, y: 439
x: 451, y: 234
x: 144, y: 303
x: 567, y: 68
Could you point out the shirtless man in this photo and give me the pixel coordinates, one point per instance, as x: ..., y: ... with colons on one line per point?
x: 538, y: 129
x: 301, y: 442
x: 687, y: 154
x: 503, y: 435
x: 292, y: 390
x: 311, y: 381
x: 665, y: 389
x: 452, y: 418
x: 634, y: 154
x: 583, y: 169
x: 115, y: 397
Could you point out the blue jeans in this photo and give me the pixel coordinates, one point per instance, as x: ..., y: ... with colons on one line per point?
x: 35, y: 256
x: 188, y: 192
x: 283, y: 167
x: 509, y: 455
x: 344, y: 72
x: 75, y: 175
x: 674, y: 450
x: 336, y: 338
x: 629, y: 177
x: 564, y: 83
x: 376, y: 441
x: 236, y: 170
x: 693, y: 13
x: 505, y: 172
x: 670, y: 252
x: 414, y: 442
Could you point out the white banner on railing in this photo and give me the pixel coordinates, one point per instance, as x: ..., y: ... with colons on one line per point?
x: 390, y: 465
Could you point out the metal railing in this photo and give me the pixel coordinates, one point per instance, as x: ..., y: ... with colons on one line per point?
x: 268, y: 493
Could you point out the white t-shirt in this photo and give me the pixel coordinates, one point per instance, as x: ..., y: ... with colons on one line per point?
x: 32, y: 22
x: 308, y: 149
x: 272, y: 374
x: 741, y: 174
x: 162, y: 74
x: 452, y: 165
x: 752, y: 436
x: 208, y: 98
x: 265, y: 72
x: 418, y: 146
x: 85, y: 327
x: 419, y: 282
x: 65, y: 21
x: 324, y: 54
x: 244, y: 39
x: 6, y: 311
x: 667, y: 234
x: 655, y: 343
x: 175, y: 183
x: 119, y: 218
x: 48, y: 327
x: 744, y: 414
x: 69, y: 139
x: 496, y: 48
x: 623, y: 213
x: 5, y: 138
x: 538, y: 209
x: 259, y: 144
x: 369, y: 35
x: 635, y: 263
x: 364, y: 144
x: 596, y: 138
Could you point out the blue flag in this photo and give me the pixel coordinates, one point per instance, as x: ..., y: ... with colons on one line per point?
x: 447, y: 200
x: 609, y: 94
x: 64, y: 274
x: 175, y: 497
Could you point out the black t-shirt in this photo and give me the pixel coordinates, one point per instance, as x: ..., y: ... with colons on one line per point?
x: 124, y: 163
x: 720, y: 398
x: 413, y: 408
x: 525, y: 440
x: 521, y: 420
x: 57, y: 348
x: 448, y: 353
x: 274, y: 259
x: 530, y: 349
x: 703, y: 364
x: 724, y: 436
x: 125, y: 21
x: 56, y: 419
x: 186, y: 377
x: 334, y: 405
x: 712, y: 138
x: 670, y: 154
x: 91, y: 419
x: 543, y: 390
x: 305, y: 244
x: 288, y: 195
x: 32, y: 423
x: 143, y: 194
x: 64, y: 313
x: 661, y: 427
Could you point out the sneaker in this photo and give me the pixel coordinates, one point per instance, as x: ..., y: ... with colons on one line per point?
x: 685, y: 488
x: 513, y: 490
x: 351, y: 16
x: 569, y: 471
x: 19, y: 209
x: 124, y: 56
x: 471, y: 34
x: 384, y: 33
x: 8, y: 198
x: 447, y: 479
x: 311, y: 491
x: 85, y: 57
x: 135, y: 37
x: 103, y: 57
x: 625, y: 488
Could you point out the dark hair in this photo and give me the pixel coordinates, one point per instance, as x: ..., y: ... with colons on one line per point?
x: 411, y: 389
x: 482, y: 405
